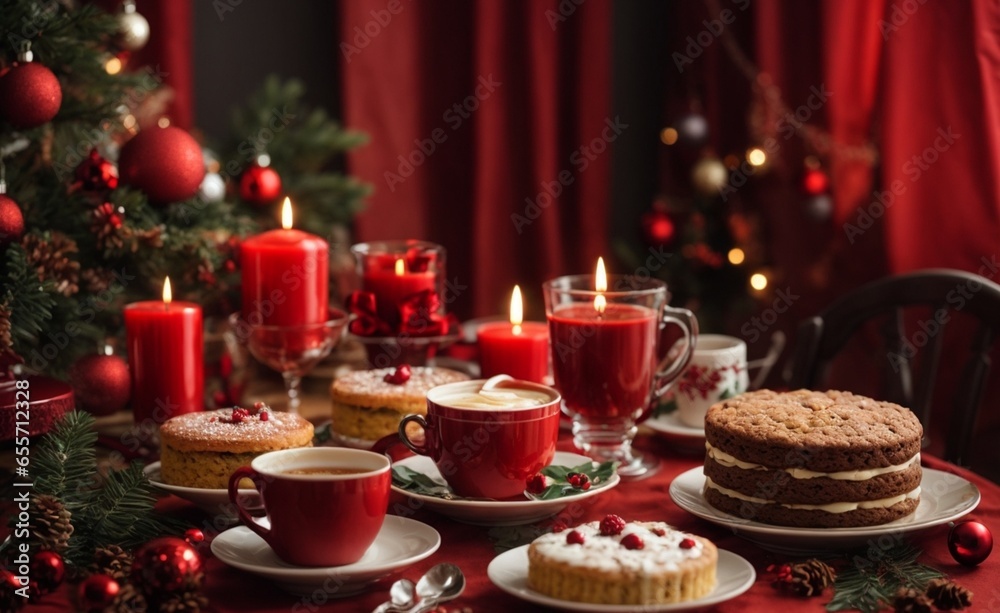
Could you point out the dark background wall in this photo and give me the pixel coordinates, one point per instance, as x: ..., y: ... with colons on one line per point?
x: 235, y: 50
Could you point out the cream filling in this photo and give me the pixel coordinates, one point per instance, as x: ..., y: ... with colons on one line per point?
x: 832, y: 507
x: 730, y: 461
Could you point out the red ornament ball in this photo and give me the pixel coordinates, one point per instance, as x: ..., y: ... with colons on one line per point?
x: 657, y: 227
x: 815, y: 182
x: 96, y: 174
x: 165, y: 564
x: 102, y: 384
x: 48, y: 569
x: 97, y: 592
x: 11, y: 221
x: 970, y: 542
x: 194, y: 536
x: 10, y: 600
x: 260, y: 185
x: 166, y: 163
x: 30, y: 95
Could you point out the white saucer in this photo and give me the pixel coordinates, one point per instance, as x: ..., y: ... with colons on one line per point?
x: 509, y: 572
x: 496, y: 512
x: 944, y: 497
x: 671, y: 427
x: 400, y: 543
x: 214, y: 502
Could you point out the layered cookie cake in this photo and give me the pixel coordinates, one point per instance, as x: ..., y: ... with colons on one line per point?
x: 369, y: 404
x: 812, y: 459
x: 204, y: 449
x: 617, y: 562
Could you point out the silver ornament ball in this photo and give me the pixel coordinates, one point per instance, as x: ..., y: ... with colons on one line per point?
x: 212, y: 188
x: 709, y: 176
x: 133, y: 30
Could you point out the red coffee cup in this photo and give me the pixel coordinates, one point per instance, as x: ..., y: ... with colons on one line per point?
x: 325, y: 505
x: 488, y: 451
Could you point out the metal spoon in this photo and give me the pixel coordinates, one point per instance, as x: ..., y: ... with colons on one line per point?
x: 401, y: 597
x: 441, y: 583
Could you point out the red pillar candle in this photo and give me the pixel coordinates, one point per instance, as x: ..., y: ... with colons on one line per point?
x: 394, y: 271
x: 518, y: 349
x: 165, y: 356
x: 285, y: 276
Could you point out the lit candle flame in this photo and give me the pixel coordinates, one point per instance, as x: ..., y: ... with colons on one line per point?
x: 601, y: 285
x: 400, y: 267
x: 168, y: 295
x: 516, y: 311
x: 286, y: 214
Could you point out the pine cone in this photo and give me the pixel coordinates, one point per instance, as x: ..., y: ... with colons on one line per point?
x: 49, y: 523
x: 95, y: 280
x: 948, y: 595
x: 191, y: 601
x: 50, y: 255
x: 112, y: 561
x: 128, y: 600
x: 6, y: 340
x: 807, y: 578
x: 909, y: 600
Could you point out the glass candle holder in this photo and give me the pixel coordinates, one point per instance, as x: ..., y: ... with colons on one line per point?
x: 613, y: 353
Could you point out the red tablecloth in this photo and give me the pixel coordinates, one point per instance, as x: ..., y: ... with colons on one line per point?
x: 472, y: 548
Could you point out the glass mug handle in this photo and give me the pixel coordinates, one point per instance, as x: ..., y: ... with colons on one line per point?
x: 234, y: 497
x: 688, y: 323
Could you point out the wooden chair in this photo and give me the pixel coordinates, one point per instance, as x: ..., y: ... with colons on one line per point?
x: 821, y: 338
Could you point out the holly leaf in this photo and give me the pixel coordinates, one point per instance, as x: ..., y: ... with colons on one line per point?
x: 560, y: 487
x: 419, y: 483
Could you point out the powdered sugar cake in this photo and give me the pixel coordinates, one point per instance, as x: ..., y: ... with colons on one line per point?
x: 637, y: 563
x: 203, y: 449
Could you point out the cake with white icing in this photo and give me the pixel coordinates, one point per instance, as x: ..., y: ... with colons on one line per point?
x: 622, y: 563
x: 812, y: 459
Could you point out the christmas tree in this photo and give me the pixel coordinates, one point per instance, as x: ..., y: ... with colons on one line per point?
x: 78, y: 241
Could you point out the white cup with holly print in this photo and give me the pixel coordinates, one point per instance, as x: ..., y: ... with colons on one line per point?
x: 718, y: 370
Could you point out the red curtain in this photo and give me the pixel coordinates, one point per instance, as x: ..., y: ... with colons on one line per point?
x: 490, y: 126
x: 923, y: 81
x: 169, y: 50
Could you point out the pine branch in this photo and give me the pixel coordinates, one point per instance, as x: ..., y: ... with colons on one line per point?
x: 869, y: 584
x: 65, y: 463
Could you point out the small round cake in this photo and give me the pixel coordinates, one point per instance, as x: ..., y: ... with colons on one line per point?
x: 369, y: 404
x: 204, y: 449
x: 617, y: 562
x: 812, y: 459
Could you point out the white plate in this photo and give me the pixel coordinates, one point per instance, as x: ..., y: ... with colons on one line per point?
x: 509, y: 572
x: 671, y: 427
x: 400, y: 543
x: 944, y: 497
x: 496, y: 512
x: 213, y: 502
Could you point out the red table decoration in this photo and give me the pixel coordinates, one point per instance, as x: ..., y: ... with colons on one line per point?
x: 395, y: 272
x: 48, y: 399
x: 519, y: 349
x: 286, y: 276
x: 165, y: 348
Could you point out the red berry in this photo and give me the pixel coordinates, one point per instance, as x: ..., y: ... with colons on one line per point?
x: 536, y: 483
x: 659, y: 531
x: 264, y: 416
x: 585, y: 485
x: 559, y: 526
x: 400, y: 376
x: 239, y: 414
x: 260, y: 406
x: 573, y: 479
x: 194, y: 536
x: 612, y: 525
x: 574, y: 538
x: 688, y: 543
x: 632, y: 541
x: 582, y: 482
